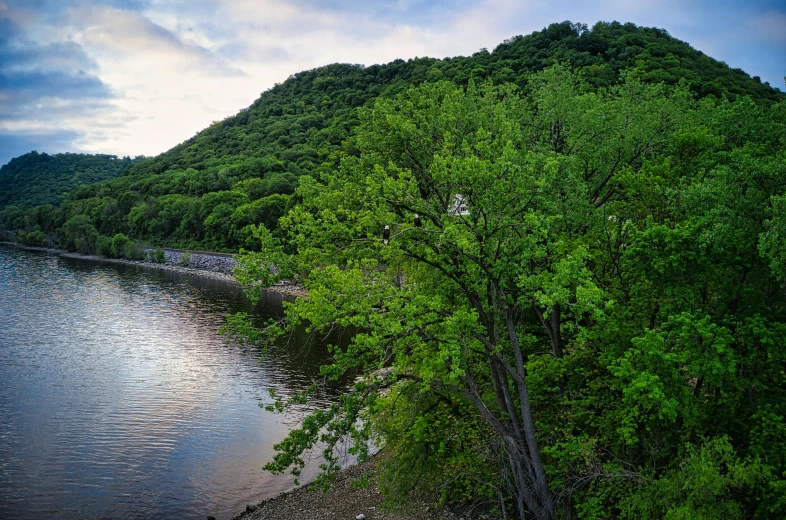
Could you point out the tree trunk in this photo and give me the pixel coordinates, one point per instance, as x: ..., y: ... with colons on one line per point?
x: 552, y: 326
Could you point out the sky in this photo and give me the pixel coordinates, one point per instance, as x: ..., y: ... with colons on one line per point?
x: 136, y: 77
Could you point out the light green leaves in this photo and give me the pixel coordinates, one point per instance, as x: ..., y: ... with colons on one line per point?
x: 666, y: 372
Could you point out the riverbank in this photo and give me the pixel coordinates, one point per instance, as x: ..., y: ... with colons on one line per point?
x: 343, y: 501
x: 285, y: 288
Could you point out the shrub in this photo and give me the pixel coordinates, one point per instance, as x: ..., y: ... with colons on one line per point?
x: 120, y: 245
x: 37, y: 238
x: 135, y: 251
x: 78, y: 234
x: 104, y: 246
x: 157, y: 256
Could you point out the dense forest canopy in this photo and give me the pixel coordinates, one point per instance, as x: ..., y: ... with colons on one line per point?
x: 35, y: 179
x: 206, y: 192
x: 600, y: 334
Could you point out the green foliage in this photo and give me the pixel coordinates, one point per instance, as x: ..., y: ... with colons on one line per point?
x: 104, y: 246
x: 120, y: 245
x: 428, y: 438
x: 207, y: 192
x: 35, y: 238
x: 156, y: 256
x: 615, y: 280
x: 79, y: 234
x: 185, y: 258
x: 703, y: 487
x: 772, y: 244
x: 135, y: 251
x: 36, y: 179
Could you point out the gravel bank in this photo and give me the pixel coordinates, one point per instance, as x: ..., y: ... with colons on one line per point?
x: 341, y: 502
x: 283, y: 288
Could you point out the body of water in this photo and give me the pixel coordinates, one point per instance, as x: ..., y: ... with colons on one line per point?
x: 120, y: 400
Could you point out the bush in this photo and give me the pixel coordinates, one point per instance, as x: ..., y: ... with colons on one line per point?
x: 157, y: 256
x: 78, y: 234
x: 37, y: 238
x: 185, y: 258
x: 104, y: 246
x: 120, y: 245
x: 135, y: 251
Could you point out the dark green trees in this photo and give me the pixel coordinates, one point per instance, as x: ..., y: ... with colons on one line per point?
x: 36, y: 179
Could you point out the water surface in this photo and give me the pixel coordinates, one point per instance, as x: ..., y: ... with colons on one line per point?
x: 119, y: 399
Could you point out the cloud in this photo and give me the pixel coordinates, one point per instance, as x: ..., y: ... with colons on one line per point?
x: 416, y: 13
x: 125, y: 34
x: 22, y: 93
x: 43, y: 85
x: 76, y: 76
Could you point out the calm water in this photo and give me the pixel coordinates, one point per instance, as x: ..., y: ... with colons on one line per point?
x: 118, y: 398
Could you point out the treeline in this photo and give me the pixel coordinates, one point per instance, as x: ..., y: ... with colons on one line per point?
x: 207, y: 192
x: 35, y: 179
x: 34, y: 186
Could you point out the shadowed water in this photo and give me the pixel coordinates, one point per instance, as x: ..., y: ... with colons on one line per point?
x: 119, y: 399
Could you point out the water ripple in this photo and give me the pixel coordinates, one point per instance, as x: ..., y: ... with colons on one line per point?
x: 118, y: 399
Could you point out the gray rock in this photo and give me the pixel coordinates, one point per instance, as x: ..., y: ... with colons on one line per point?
x: 361, y: 516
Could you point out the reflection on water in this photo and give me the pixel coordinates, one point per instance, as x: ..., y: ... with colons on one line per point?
x: 118, y: 398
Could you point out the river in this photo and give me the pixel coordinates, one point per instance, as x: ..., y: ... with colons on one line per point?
x: 120, y: 400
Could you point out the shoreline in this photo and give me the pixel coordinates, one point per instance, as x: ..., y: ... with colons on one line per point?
x: 284, y: 288
x: 344, y: 501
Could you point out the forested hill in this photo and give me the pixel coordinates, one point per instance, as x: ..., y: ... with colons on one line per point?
x: 35, y: 179
x: 242, y: 171
x: 295, y: 125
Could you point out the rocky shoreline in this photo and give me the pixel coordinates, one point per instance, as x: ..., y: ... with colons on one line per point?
x: 216, y: 266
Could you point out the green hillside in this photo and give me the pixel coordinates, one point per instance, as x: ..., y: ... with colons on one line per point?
x: 207, y: 191
x: 597, y: 333
x: 35, y: 179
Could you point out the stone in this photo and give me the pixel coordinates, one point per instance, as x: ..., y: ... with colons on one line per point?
x: 361, y: 516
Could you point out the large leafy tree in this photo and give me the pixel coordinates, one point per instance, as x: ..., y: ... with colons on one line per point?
x: 511, y: 196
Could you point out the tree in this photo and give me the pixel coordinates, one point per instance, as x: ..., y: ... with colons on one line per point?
x: 78, y: 234
x: 459, y: 307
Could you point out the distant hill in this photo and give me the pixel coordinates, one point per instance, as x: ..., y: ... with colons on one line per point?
x: 35, y: 179
x: 206, y: 191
